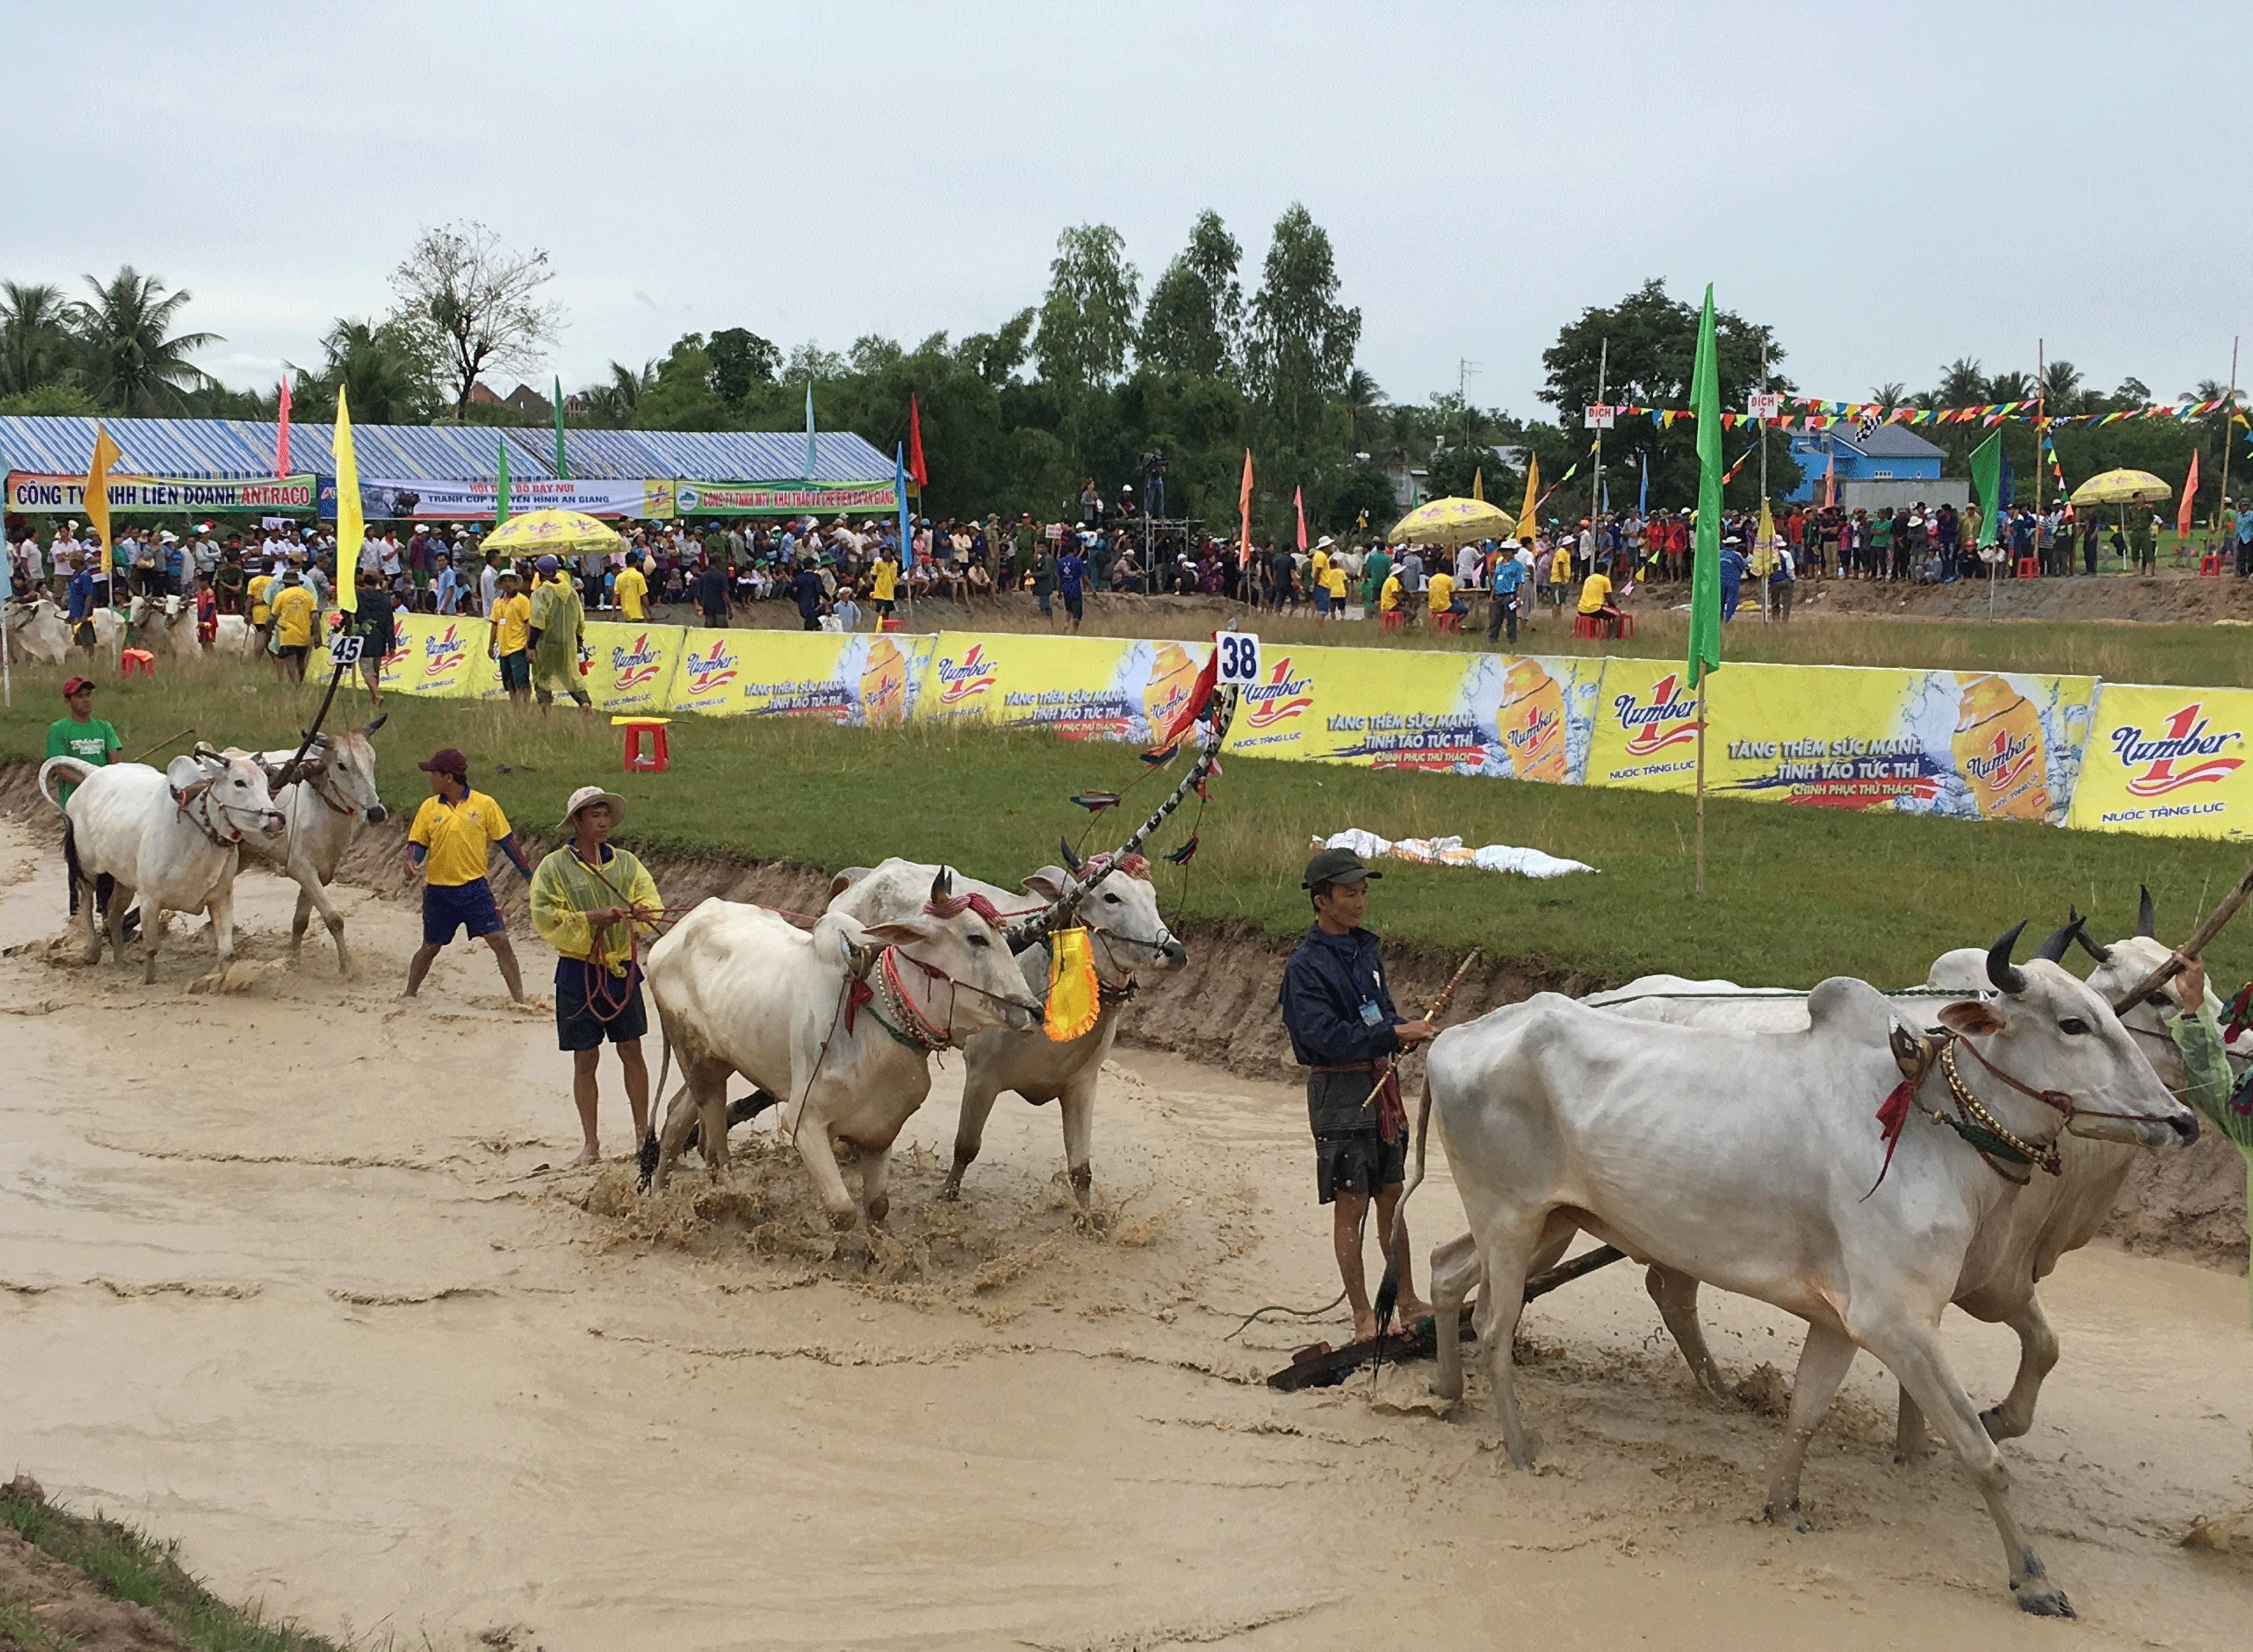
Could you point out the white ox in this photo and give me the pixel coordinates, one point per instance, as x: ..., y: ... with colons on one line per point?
x: 2021, y: 1245
x: 1752, y: 1161
x: 169, y: 626
x: 333, y: 792
x: 40, y: 629
x: 172, y: 841
x: 739, y: 989
x: 1130, y: 943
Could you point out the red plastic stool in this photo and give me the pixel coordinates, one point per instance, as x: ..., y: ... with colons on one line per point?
x: 890, y: 621
x: 646, y: 750
x: 132, y: 659
x: 1391, y: 620
x: 1445, y: 621
x: 2029, y: 568
x: 2209, y: 566
x: 1588, y: 624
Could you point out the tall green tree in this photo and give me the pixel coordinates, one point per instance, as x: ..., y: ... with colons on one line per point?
x: 1087, y: 317
x: 133, y: 361
x: 740, y: 359
x: 36, y: 345
x: 1195, y: 320
x: 387, y: 370
x: 1298, y: 357
x: 1652, y: 341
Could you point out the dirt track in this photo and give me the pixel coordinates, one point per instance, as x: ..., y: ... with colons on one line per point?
x: 288, y: 1275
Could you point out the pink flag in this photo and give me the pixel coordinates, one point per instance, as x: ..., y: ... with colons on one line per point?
x: 1300, y: 506
x: 282, y: 433
x: 2190, y: 497
x: 1830, y: 480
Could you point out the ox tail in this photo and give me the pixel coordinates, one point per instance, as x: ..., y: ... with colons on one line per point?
x: 71, y: 869
x: 80, y: 764
x: 646, y: 1156
x: 1388, y: 1289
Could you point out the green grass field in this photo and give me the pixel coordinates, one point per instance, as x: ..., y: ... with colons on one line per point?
x: 1792, y: 895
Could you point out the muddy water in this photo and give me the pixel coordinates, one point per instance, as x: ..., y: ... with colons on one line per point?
x: 293, y: 1275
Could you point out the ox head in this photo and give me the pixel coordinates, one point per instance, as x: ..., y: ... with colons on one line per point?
x: 957, y: 965
x: 2124, y: 966
x: 236, y: 800
x: 2051, y: 1034
x: 351, y: 768
x: 1120, y: 910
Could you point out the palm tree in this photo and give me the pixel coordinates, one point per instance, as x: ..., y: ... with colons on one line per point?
x: 2011, y: 387
x: 35, y: 341
x: 135, y: 362
x: 1361, y: 398
x: 385, y: 381
x: 1889, y: 396
x: 612, y: 405
x: 1962, y: 384
x: 2060, y: 386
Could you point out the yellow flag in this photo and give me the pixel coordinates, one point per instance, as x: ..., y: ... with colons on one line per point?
x: 1478, y: 485
x: 1526, y: 525
x: 1764, y: 558
x: 350, y: 526
x: 1073, y: 1001
x: 97, y: 490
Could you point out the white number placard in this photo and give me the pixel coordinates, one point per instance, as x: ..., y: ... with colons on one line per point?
x: 1239, y: 657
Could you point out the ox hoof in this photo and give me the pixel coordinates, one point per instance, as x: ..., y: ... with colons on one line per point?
x: 1997, y: 1420
x: 844, y: 1221
x: 1790, y: 1516
x: 2043, y: 1601
x: 951, y: 1192
x: 879, y: 1208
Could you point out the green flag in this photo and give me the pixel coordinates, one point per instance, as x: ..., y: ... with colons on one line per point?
x: 812, y: 462
x: 1987, y: 477
x: 1705, y: 570
x: 500, y: 488
x: 562, y: 465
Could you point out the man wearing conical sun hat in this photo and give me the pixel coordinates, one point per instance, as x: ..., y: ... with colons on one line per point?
x: 595, y: 904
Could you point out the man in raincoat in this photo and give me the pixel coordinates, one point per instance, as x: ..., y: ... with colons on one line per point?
x: 559, y: 627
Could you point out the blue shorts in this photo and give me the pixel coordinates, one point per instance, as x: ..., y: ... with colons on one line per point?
x: 616, y: 1014
x: 516, y: 670
x: 1323, y: 602
x: 449, y: 906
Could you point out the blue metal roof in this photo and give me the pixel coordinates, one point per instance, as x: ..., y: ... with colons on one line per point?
x: 437, y: 453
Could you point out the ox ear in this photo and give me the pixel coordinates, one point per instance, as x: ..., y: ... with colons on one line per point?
x: 846, y: 880
x: 1972, y: 1018
x: 900, y: 933
x: 182, y: 772
x: 1048, y: 883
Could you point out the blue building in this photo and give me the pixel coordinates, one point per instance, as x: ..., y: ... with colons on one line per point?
x: 1890, y: 453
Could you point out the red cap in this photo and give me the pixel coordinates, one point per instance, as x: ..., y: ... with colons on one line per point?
x: 75, y: 684
x: 446, y: 762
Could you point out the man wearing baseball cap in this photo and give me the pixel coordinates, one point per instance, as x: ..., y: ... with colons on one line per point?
x: 1345, y: 1032
x: 595, y: 904
x: 447, y: 845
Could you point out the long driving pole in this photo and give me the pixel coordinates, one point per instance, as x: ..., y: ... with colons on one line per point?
x: 1700, y: 886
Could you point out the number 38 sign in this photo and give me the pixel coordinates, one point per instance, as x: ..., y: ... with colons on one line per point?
x: 1239, y: 657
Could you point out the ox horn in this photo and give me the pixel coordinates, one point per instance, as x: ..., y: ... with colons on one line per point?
x: 1071, y: 862
x: 2101, y: 954
x: 2054, y: 948
x: 2147, y: 918
x: 370, y: 728
x: 2005, y: 974
x: 943, y: 885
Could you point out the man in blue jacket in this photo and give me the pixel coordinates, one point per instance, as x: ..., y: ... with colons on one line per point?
x: 1345, y: 1031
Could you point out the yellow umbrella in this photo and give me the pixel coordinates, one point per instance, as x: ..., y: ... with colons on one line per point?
x: 1451, y: 522
x: 551, y: 533
x: 2119, y: 487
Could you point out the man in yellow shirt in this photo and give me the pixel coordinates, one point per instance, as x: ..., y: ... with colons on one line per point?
x: 589, y: 900
x: 447, y: 845
x: 1596, y: 602
x: 883, y: 581
x: 1333, y: 587
x: 294, y: 614
x: 633, y: 589
x: 1388, y: 599
x: 511, y: 636
x: 261, y: 614
x: 1439, y: 594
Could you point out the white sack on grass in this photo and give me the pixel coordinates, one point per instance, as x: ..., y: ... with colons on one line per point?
x: 1494, y: 857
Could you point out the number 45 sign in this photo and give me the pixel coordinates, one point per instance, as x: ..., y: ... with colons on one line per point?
x: 1239, y: 657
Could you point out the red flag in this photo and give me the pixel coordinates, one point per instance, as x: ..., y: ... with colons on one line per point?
x: 1831, y: 480
x: 1200, y: 692
x: 282, y: 433
x: 916, y: 474
x: 2190, y: 497
x: 1244, y: 512
x: 1299, y: 505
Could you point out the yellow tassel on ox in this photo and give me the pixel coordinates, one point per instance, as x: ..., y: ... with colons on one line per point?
x: 1072, y: 1003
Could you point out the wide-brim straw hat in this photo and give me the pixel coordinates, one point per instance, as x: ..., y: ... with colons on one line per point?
x: 586, y: 795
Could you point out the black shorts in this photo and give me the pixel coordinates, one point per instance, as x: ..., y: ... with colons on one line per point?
x: 1361, y: 1162
x: 296, y: 651
x: 580, y: 1025
x: 1071, y: 606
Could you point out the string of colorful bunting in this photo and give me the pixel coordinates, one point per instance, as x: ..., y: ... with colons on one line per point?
x: 1817, y: 415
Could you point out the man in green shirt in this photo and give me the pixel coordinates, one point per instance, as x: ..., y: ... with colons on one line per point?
x: 90, y: 739
x: 1374, y: 568
x: 81, y: 735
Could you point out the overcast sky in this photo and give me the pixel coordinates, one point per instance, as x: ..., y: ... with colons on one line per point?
x: 1889, y: 185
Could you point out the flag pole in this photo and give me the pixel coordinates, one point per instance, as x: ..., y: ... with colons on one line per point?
x: 2041, y: 425
x: 1763, y: 515
x: 1700, y: 886
x: 2229, y: 435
